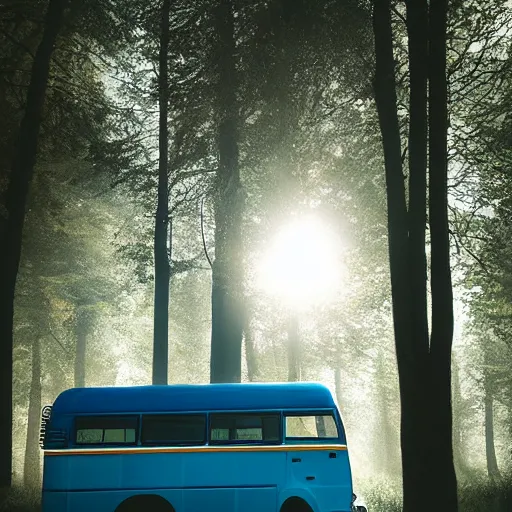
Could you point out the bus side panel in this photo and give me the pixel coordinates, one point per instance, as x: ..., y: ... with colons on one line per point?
x: 163, y: 470
x: 102, y: 501
x: 238, y: 499
x: 85, y: 472
x: 54, y: 502
x: 234, y: 469
x: 189, y: 500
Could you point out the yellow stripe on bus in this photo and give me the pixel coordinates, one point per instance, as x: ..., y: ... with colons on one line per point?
x: 200, y: 449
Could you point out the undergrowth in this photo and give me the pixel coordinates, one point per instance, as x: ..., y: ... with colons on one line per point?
x: 485, y: 496
x: 478, y: 494
x: 19, y: 499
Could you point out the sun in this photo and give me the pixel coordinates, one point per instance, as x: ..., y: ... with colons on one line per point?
x: 303, y: 264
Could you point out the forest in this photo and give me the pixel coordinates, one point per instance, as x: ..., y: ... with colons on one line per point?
x: 265, y: 191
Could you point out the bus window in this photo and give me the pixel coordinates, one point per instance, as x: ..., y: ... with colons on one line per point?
x: 106, y: 429
x: 174, y: 429
x: 311, y: 426
x: 228, y: 428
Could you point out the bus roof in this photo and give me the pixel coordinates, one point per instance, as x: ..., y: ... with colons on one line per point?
x: 194, y: 397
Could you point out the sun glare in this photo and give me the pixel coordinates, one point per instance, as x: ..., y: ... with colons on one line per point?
x: 303, y: 264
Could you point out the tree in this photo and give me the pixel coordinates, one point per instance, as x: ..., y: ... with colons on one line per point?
x: 83, y: 321
x: 183, y: 137
x: 490, y: 452
x: 480, y: 148
x: 459, y: 411
x: 441, y: 336
x: 423, y: 363
x: 31, y: 470
x: 251, y: 356
x: 19, y: 184
x: 293, y: 348
x: 227, y: 275
x: 162, y: 257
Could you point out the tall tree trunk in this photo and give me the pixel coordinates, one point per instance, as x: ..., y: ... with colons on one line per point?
x: 32, y: 463
x: 338, y: 389
x: 441, y: 337
x: 386, y: 438
x: 459, y: 457
x: 10, y: 245
x: 424, y: 372
x: 83, y: 324
x: 293, y: 348
x: 417, y: 31
x: 411, y: 390
x: 162, y: 268
x: 490, y: 452
x: 250, y: 349
x: 338, y: 384
x: 227, y: 269
x: 419, y: 414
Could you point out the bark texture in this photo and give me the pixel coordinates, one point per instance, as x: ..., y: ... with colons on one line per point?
x: 16, y: 199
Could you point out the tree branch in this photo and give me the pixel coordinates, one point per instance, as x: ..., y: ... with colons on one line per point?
x: 202, y: 234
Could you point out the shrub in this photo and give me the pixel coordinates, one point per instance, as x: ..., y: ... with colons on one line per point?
x: 19, y: 499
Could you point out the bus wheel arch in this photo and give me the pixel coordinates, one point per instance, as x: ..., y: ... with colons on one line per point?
x: 296, y: 504
x: 145, y: 503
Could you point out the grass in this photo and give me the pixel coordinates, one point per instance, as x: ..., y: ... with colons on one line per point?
x: 382, y: 495
x: 19, y: 499
x: 485, y: 496
x: 476, y: 495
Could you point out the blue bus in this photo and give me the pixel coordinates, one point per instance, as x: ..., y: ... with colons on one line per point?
x: 196, y: 448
